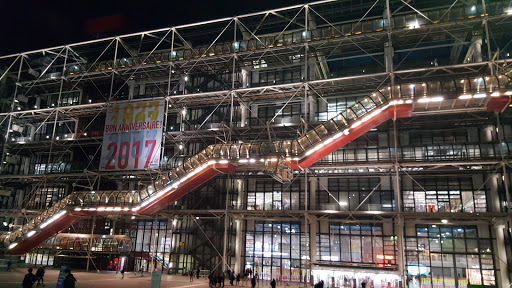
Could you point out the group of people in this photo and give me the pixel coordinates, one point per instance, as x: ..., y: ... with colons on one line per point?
x: 215, y: 279
x: 30, y: 279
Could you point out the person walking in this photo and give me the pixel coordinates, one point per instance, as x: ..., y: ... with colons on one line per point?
x: 237, y: 279
x: 29, y: 279
x: 69, y: 280
x: 197, y: 273
x: 9, y: 264
x: 253, y: 282
x: 273, y: 283
x: 122, y: 273
x: 191, y: 275
x: 231, y: 278
x: 40, y: 276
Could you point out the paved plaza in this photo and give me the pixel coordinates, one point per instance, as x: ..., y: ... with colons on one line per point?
x: 111, y: 280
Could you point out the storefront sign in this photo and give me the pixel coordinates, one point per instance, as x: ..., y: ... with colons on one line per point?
x: 132, y: 136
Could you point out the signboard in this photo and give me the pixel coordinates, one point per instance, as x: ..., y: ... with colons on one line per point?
x: 60, y: 280
x: 132, y: 137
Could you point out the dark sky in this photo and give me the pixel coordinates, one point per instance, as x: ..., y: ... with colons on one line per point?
x: 34, y: 24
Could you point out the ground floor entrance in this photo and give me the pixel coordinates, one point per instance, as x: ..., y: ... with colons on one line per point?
x: 339, y: 277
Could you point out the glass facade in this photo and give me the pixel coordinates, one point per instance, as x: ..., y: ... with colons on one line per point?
x: 419, y: 145
x: 449, y: 256
x: 445, y: 195
x: 364, y: 243
x: 277, y: 250
x: 272, y: 195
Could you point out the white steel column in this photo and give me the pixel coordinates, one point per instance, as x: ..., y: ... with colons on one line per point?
x: 239, y: 222
x: 313, y: 183
x: 500, y: 256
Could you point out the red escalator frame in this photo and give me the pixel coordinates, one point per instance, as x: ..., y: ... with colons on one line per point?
x: 53, y: 228
x: 402, y: 111
x: 391, y: 112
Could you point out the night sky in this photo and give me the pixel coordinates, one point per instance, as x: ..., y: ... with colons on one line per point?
x: 34, y: 24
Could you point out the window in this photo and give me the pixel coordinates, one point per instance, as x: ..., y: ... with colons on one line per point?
x: 446, y: 255
x: 357, y: 243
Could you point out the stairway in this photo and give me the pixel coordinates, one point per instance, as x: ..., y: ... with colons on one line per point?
x: 277, y: 159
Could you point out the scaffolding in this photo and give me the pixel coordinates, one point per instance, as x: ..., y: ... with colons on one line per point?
x: 227, y: 84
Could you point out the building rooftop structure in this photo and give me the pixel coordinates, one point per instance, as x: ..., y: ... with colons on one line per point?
x: 344, y: 141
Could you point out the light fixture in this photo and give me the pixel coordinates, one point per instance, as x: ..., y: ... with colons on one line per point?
x: 31, y: 233
x: 444, y: 221
x: 52, y: 219
x: 13, y: 245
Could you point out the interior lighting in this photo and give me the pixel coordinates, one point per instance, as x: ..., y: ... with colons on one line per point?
x: 465, y: 96
x: 433, y: 99
x: 223, y: 161
x: 136, y: 209
x: 31, y: 233
x: 413, y: 25
x: 408, y: 101
x: 243, y: 160
x: 480, y: 95
x: 101, y: 209
x: 52, y: 219
x: 495, y: 94
x: 444, y: 221
x: 78, y: 209
x: 473, y: 8
x: 508, y: 93
x: 13, y: 245
x: 252, y: 160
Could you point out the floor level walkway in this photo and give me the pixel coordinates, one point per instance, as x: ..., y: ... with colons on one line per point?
x: 105, y: 279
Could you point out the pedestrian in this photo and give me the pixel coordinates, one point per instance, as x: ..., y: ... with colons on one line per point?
x: 142, y: 271
x: 9, y: 264
x: 237, y: 279
x: 69, y: 280
x: 122, y: 273
x: 257, y: 280
x: 40, y: 276
x: 197, y: 273
x: 29, y: 279
x: 231, y: 278
x: 253, y: 282
x: 273, y: 283
x: 191, y: 275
